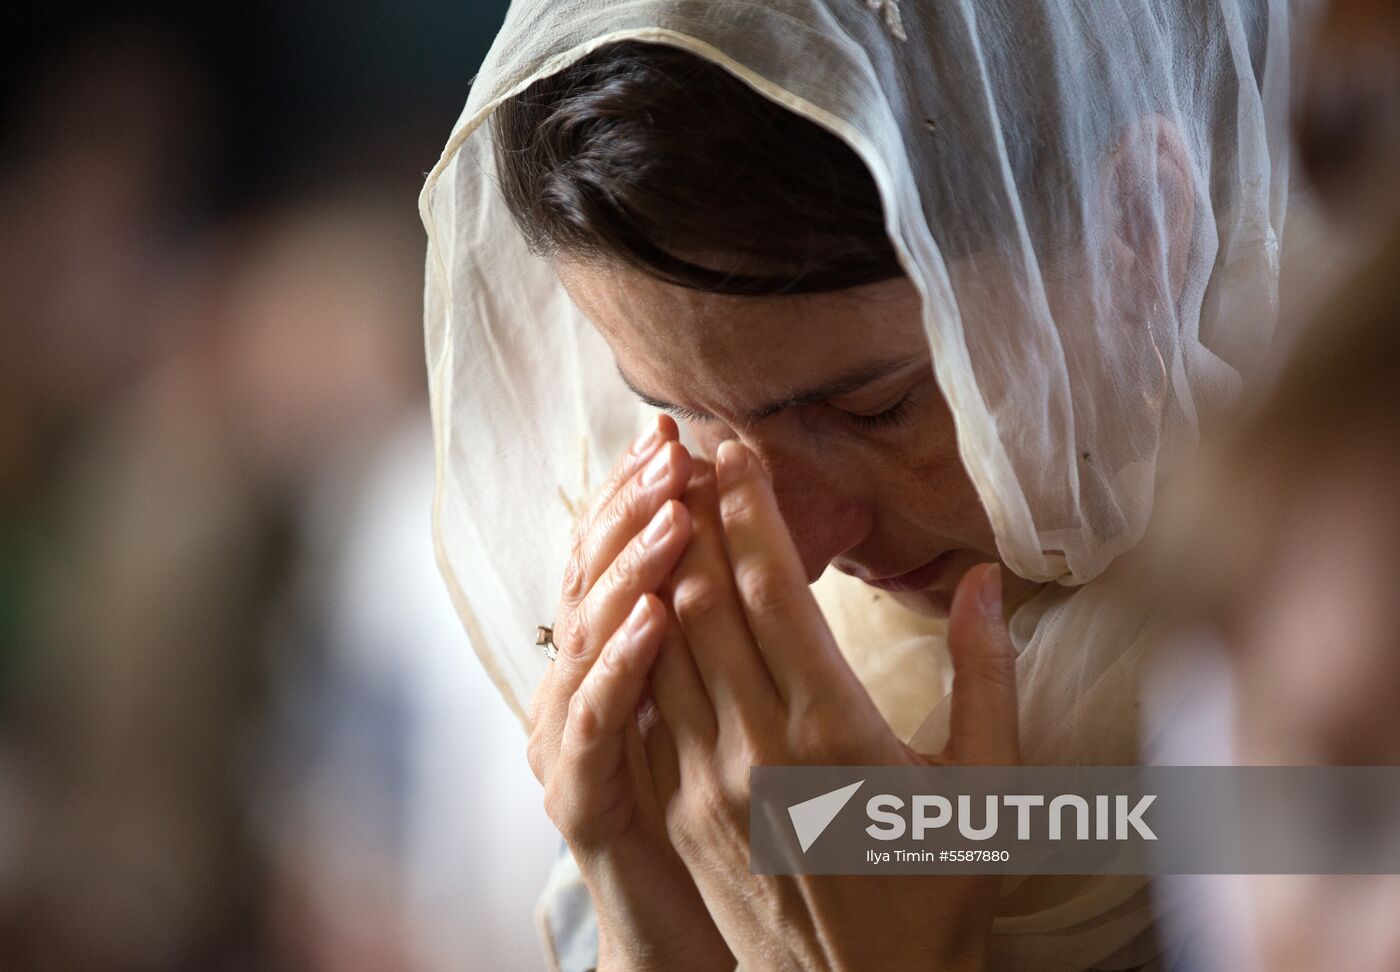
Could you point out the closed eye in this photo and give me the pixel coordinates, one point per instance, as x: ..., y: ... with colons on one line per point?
x: 891, y: 416
x: 687, y: 414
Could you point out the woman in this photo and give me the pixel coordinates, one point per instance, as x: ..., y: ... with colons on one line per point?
x: 959, y: 285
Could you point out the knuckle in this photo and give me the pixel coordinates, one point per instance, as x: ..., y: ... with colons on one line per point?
x: 583, y: 712
x: 715, y: 791
x: 735, y: 782
x: 575, y: 576
x: 680, y: 828
x: 556, y: 808
x: 995, y: 668
x: 627, y: 570
x: 611, y: 665
x: 697, y: 599
x: 814, y: 740
x: 633, y: 563
x: 618, y: 476
x: 830, y: 747
x: 597, y: 504
x: 578, y: 635
x: 766, y: 586
x: 537, y: 752
x: 619, y: 510
x: 688, y: 815
x: 702, y: 488
x: 807, y: 711
x: 741, y: 505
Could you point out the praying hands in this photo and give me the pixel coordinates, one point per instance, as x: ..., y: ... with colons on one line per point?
x: 690, y: 650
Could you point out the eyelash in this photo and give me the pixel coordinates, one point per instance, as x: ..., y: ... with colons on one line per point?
x: 685, y: 414
x: 893, y: 415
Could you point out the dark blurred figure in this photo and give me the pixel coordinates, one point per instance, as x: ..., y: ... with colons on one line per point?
x: 93, y: 183
x: 1348, y: 121
x: 1288, y: 548
x: 90, y: 199
x: 1308, y: 541
x: 210, y: 342
x: 179, y: 547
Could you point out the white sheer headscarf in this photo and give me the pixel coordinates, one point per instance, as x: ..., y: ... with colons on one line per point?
x: 1015, y: 144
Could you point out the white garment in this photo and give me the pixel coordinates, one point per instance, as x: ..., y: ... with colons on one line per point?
x: 1011, y: 142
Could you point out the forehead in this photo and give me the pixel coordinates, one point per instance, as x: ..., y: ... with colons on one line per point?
x: 721, y: 352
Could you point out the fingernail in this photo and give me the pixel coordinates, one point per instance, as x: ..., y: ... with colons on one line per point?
x: 659, y: 526
x: 655, y: 469
x: 637, y: 620
x: 648, y: 438
x: 991, y: 591
x: 730, y: 460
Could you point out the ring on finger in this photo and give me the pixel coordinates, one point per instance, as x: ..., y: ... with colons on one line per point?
x: 544, y: 635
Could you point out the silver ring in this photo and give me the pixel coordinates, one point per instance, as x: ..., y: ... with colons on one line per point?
x: 544, y: 635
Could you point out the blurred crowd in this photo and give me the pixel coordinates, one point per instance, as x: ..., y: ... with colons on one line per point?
x: 240, y: 726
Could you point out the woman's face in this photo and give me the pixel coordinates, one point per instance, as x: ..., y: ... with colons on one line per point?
x: 834, y: 393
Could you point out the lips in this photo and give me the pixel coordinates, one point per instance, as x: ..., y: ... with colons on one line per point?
x: 917, y: 579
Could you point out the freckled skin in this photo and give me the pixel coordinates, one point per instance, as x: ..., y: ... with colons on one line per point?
x: 872, y: 501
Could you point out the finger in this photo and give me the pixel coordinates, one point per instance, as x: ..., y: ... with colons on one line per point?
x: 680, y: 694
x: 983, y: 721
x: 590, y: 555
x: 584, y: 629
x: 791, y: 632
x: 711, y: 615
x: 642, y: 566
x: 658, y: 749
x: 626, y: 511
x: 604, y: 706
x: 659, y: 429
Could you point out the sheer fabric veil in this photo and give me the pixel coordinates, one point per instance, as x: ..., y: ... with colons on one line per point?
x: 1115, y: 173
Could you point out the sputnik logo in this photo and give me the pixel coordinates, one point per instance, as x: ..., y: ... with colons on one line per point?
x: 811, y: 817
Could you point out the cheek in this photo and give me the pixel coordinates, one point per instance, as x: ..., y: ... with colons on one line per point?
x: 914, y: 474
x: 930, y: 486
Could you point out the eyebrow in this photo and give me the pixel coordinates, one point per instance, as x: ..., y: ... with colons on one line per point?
x: 835, y: 387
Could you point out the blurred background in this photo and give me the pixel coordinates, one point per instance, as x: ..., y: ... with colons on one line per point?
x: 240, y: 726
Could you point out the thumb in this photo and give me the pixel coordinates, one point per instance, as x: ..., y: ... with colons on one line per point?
x: 982, y: 723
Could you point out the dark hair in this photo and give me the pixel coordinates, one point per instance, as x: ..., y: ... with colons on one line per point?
x: 652, y: 156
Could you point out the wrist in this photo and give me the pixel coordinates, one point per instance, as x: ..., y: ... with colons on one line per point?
x: 652, y: 921
x: 621, y: 950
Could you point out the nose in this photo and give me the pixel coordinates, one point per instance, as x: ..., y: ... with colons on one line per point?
x: 820, y: 501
